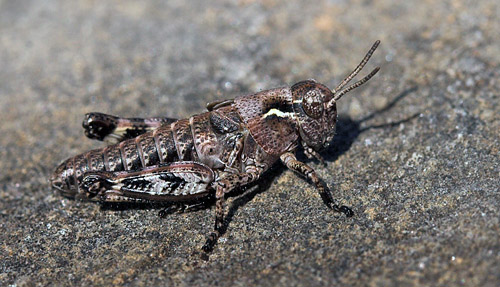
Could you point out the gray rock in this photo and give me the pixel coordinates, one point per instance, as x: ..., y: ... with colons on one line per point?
x: 416, y: 155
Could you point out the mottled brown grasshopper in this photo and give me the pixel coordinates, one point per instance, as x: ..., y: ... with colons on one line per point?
x: 190, y: 160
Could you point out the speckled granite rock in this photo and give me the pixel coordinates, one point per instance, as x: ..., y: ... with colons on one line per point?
x: 416, y: 155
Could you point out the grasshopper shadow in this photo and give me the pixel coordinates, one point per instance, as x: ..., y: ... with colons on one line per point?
x: 348, y: 130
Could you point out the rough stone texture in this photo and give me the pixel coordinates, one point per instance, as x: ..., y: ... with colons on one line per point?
x: 416, y: 155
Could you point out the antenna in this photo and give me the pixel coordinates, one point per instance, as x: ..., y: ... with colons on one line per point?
x: 355, y: 72
x: 357, y: 84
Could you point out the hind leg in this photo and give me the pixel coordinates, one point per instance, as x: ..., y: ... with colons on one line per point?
x: 113, y: 129
x: 170, y: 182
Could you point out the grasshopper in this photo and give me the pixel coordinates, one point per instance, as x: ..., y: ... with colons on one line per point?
x: 187, y: 161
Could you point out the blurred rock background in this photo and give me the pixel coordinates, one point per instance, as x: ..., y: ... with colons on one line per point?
x: 416, y: 155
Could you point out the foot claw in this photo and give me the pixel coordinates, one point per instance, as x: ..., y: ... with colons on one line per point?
x: 163, y: 213
x: 209, y: 244
x: 346, y: 210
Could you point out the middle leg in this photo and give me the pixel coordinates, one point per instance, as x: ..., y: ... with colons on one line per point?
x: 222, y: 187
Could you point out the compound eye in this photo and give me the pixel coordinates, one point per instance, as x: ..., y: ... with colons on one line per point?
x: 313, y: 104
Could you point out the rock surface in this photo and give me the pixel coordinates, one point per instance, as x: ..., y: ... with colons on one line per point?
x: 416, y: 155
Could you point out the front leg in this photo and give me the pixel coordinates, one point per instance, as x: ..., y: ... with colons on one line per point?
x: 292, y: 163
x: 222, y: 187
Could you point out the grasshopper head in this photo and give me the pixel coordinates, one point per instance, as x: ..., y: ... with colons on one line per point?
x: 316, y: 118
x: 315, y: 106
